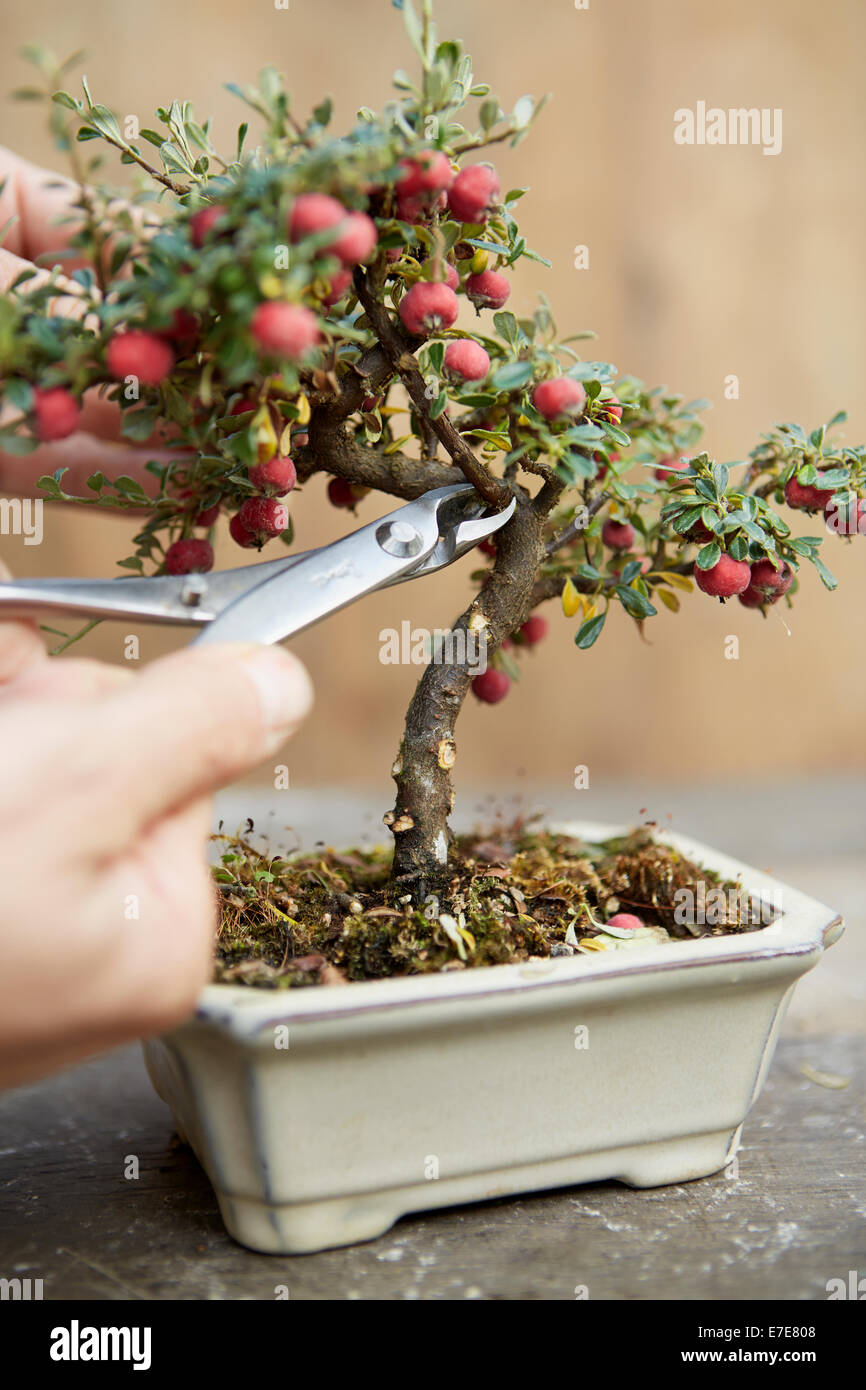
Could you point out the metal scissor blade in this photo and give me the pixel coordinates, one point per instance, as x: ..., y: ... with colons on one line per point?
x: 331, y: 578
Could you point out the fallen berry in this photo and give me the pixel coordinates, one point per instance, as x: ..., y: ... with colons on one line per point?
x: 489, y: 290
x: 139, y: 354
x: 725, y: 578
x: 618, y: 535
x: 807, y: 497
x: 427, y: 307
x: 284, y: 330
x: 491, y: 686
x: 201, y: 224
x: 534, y: 630
x: 625, y: 921
x: 263, y: 517
x: 466, y: 359
x: 473, y: 193
x: 561, y: 395
x: 57, y: 413
x: 189, y: 557
x: 275, y: 477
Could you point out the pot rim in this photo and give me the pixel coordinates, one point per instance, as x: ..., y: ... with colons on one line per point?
x: 805, y: 928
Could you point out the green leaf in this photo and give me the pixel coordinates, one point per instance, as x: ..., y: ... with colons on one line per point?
x: 511, y: 376
x: 709, y: 556
x: 590, y: 631
x: 828, y: 579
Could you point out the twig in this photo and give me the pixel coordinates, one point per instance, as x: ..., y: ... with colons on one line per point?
x: 494, y: 491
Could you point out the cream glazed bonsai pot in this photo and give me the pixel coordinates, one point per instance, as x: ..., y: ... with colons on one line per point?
x: 322, y: 1115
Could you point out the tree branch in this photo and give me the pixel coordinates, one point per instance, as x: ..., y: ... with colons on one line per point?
x: 398, y: 350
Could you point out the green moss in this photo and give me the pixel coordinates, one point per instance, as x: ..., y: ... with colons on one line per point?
x: 330, y: 917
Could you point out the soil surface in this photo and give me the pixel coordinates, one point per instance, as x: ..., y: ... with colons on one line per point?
x: 329, y: 917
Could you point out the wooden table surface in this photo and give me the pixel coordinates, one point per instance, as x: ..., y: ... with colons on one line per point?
x: 790, y: 1219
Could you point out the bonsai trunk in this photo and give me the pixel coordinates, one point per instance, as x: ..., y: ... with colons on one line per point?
x: 422, y: 770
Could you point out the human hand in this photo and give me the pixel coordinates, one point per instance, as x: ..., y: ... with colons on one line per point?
x: 42, y: 212
x: 107, y: 912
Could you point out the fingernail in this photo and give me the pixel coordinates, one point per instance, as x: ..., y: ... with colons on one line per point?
x: 284, y: 689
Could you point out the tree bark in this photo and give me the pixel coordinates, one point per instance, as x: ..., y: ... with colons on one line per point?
x: 422, y: 770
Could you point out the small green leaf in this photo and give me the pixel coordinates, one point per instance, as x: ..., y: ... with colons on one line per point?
x: 590, y: 631
x: 709, y: 556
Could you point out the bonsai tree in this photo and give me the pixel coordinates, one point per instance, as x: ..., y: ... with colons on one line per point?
x: 290, y: 308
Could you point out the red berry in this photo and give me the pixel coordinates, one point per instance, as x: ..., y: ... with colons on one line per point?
x: 488, y: 290
x: 300, y: 439
x: 357, y: 240
x: 57, y: 413
x: 560, y: 396
x: 244, y: 406
x: 610, y: 410
x: 725, y: 578
x: 618, y: 535
x: 284, y: 330
x: 534, y: 630
x: 846, y: 515
x: 772, y: 583
x: 370, y: 403
x: 752, y: 598
x: 452, y: 279
x: 140, y: 354
x: 313, y: 213
x: 625, y: 920
x: 806, y: 497
x: 467, y: 359
x: 339, y: 283
x: 667, y: 466
x: 427, y: 173
x: 263, y: 517
x: 189, y: 557
x: 491, y: 686
x: 240, y: 534
x: 473, y: 193
x: 274, y: 478
x: 345, y: 494
x: 487, y: 546
x: 427, y: 307
x: 209, y: 516
x: 183, y: 331
x: 201, y: 223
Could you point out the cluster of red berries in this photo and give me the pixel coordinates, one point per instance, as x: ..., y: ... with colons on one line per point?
x: 493, y: 684
x: 755, y: 585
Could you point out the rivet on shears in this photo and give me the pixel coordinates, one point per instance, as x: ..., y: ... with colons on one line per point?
x: 399, y: 538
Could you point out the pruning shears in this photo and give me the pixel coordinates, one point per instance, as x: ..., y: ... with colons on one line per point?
x: 273, y: 600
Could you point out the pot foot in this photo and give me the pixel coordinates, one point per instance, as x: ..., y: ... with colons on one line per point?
x: 680, y: 1160
x: 305, y: 1227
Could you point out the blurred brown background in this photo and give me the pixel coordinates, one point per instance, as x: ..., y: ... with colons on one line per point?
x: 704, y: 262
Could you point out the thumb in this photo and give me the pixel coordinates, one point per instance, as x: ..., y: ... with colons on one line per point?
x: 190, y: 723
